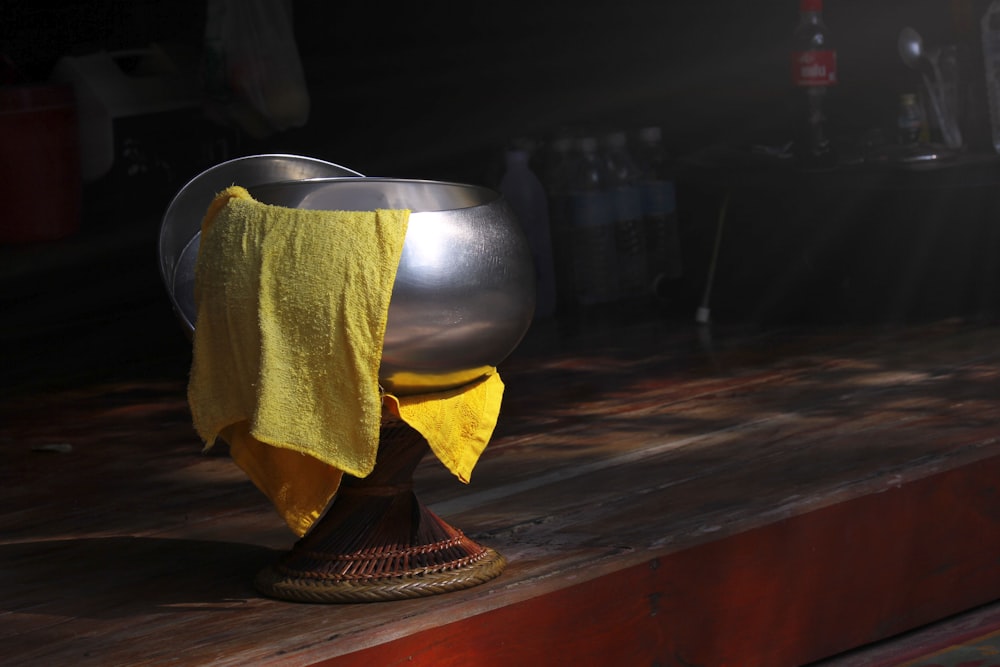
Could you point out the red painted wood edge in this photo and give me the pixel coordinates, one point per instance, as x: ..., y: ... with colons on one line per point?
x: 787, y: 593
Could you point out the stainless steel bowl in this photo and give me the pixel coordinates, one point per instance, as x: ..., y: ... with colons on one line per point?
x: 464, y: 294
x: 180, y: 231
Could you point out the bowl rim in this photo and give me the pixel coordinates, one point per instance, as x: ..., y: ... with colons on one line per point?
x: 204, y: 186
x: 487, y: 195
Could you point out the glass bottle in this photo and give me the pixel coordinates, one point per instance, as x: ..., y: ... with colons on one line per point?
x: 909, y: 119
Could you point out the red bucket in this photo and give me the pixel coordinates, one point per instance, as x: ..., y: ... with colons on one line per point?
x: 40, y: 182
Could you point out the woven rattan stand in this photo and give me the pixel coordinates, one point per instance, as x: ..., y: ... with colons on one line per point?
x: 378, y: 542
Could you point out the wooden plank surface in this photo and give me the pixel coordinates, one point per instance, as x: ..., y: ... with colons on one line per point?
x: 644, y: 485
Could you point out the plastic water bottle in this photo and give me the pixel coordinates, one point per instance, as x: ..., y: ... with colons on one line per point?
x: 990, y: 28
x: 659, y: 210
x: 527, y: 197
x: 595, y: 269
x: 630, y: 238
x: 557, y: 177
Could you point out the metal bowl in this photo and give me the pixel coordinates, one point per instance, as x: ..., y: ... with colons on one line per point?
x: 464, y: 293
x: 180, y: 231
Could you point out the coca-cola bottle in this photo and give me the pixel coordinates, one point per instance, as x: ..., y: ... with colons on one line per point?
x: 814, y: 70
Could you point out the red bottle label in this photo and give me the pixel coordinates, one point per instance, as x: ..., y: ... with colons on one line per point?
x: 814, y: 68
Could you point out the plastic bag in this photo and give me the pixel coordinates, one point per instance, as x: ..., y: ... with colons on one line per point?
x: 253, y: 62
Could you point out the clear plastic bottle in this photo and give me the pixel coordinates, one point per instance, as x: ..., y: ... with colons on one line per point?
x: 527, y: 197
x: 659, y: 210
x: 557, y: 177
x: 990, y: 28
x: 630, y: 238
x: 595, y: 266
x: 814, y: 71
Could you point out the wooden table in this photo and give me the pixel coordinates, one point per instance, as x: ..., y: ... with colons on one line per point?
x: 763, y: 498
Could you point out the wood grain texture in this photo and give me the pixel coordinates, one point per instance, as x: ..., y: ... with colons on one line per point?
x: 773, y: 498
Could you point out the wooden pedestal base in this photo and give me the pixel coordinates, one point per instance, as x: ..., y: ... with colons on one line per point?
x: 378, y: 542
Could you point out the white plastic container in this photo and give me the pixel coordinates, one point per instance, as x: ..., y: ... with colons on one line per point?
x: 105, y: 91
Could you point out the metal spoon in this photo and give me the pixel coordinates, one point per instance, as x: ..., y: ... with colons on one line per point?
x: 911, y: 51
x: 911, y: 48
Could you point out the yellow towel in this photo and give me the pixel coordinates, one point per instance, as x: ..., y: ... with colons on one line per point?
x: 292, y: 307
x: 457, y: 424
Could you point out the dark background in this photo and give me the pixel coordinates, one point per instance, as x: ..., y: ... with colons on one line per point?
x: 438, y: 90
x: 432, y: 89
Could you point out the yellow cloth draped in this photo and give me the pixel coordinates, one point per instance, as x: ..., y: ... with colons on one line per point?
x: 457, y: 424
x: 291, y: 315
